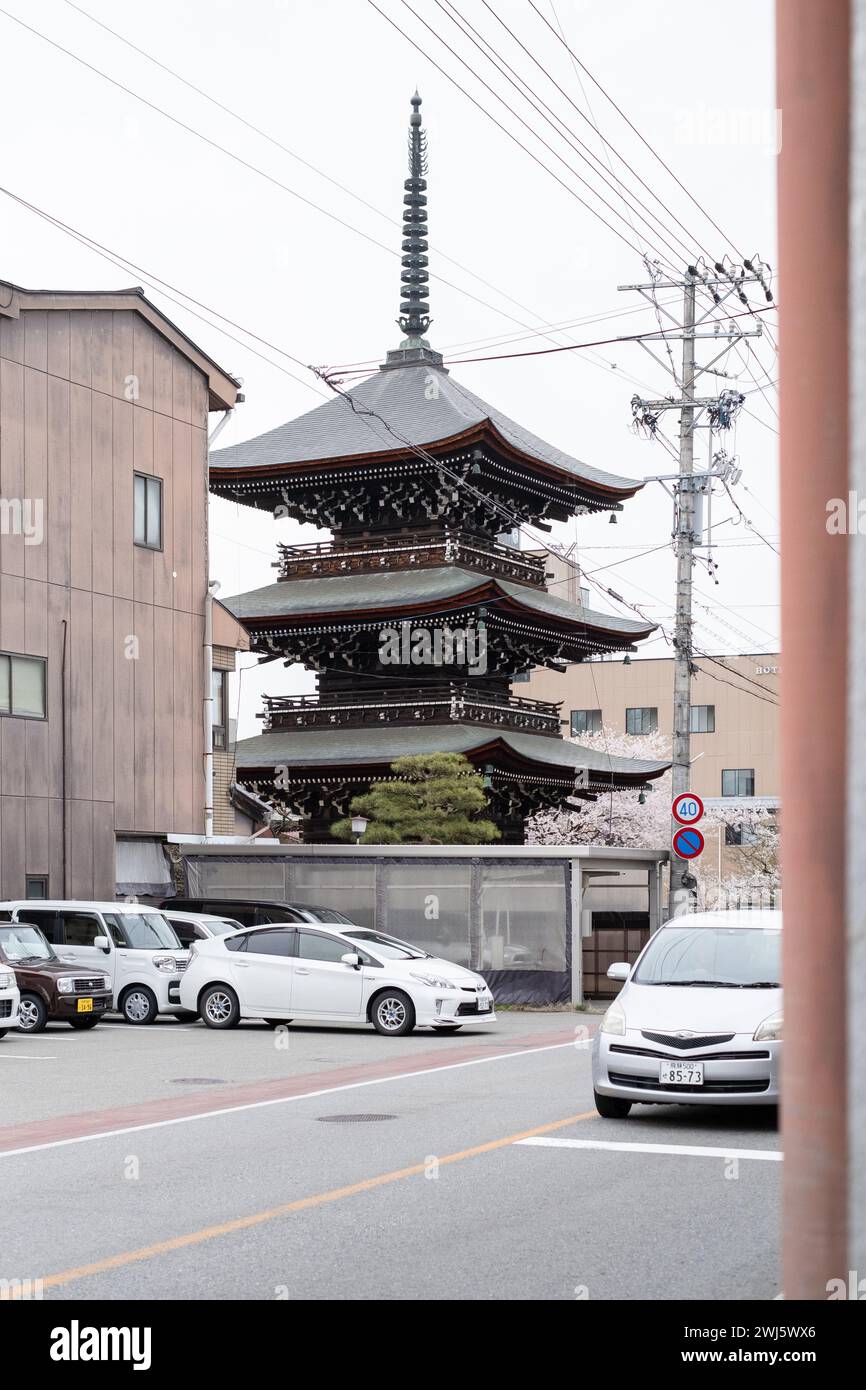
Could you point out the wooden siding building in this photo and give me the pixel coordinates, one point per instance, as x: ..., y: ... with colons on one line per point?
x: 104, y: 409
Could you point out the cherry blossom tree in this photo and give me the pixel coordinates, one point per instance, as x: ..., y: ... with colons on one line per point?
x: 749, y: 870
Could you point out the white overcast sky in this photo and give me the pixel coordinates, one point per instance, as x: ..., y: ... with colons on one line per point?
x: 331, y: 82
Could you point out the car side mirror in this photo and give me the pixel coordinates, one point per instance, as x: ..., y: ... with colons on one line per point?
x: 102, y: 943
x: 620, y: 970
x: 351, y: 958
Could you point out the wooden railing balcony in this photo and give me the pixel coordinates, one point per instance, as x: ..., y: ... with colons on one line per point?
x: 412, y: 705
x: 419, y: 550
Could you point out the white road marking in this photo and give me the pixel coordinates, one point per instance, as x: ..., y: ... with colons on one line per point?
x: 25, y: 1057
x: 281, y: 1100
x: 689, y: 1150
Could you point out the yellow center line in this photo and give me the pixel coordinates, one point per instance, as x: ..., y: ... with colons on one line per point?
x: 259, y: 1218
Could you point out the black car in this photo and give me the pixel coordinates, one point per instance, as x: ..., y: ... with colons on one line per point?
x: 257, y: 912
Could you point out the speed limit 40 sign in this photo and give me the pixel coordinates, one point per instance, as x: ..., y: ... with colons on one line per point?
x: 687, y: 808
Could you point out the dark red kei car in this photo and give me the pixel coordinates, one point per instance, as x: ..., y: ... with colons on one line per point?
x: 51, y: 989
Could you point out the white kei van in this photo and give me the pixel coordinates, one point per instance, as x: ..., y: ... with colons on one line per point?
x: 133, y: 945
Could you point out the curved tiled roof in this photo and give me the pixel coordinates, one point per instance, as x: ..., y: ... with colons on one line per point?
x: 406, y: 588
x: 378, y: 746
x: 424, y: 405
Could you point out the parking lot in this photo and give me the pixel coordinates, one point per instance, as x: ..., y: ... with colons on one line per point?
x: 174, y: 1162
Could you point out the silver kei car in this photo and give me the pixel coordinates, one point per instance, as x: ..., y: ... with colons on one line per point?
x: 698, y: 1020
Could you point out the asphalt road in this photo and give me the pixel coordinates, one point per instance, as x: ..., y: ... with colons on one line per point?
x: 175, y: 1163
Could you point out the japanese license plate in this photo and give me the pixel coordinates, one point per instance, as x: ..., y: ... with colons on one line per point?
x: 85, y: 1006
x: 681, y: 1073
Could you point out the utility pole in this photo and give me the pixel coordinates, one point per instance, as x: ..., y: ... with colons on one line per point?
x: 680, y: 878
x: 722, y: 282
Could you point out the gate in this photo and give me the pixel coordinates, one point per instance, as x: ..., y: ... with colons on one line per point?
x: 615, y: 936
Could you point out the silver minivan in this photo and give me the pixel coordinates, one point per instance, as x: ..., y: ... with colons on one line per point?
x: 134, y: 945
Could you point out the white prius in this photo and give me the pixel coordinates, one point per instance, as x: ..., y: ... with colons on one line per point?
x: 698, y: 1020
x: 321, y: 974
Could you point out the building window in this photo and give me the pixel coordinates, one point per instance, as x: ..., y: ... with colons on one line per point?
x: 36, y: 886
x: 643, y: 720
x: 22, y: 685
x: 738, y: 781
x: 702, y: 719
x: 220, y: 705
x: 585, y: 721
x: 740, y: 835
x: 147, y: 511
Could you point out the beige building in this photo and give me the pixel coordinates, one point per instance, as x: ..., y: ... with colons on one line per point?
x: 735, y: 709
x: 735, y: 713
x: 104, y: 408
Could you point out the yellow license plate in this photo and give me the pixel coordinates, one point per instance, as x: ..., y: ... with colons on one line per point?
x: 85, y: 1006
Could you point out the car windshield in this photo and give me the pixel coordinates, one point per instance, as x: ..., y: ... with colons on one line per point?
x: 391, y: 947
x: 220, y: 926
x: 23, y: 943
x: 714, y: 957
x: 143, y: 931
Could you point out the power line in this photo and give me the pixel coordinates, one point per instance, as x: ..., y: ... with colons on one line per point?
x: 503, y: 128
x: 606, y: 144
x: 655, y: 334
x: 556, y: 123
x: 634, y: 128
x: 239, y: 159
x: 292, y: 192
x: 163, y: 287
x: 278, y: 144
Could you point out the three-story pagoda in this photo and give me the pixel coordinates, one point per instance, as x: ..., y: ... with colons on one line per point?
x: 416, y: 616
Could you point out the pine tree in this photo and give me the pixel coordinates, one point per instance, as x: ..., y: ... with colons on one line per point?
x: 435, y: 799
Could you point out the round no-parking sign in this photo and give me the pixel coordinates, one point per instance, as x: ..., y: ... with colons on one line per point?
x: 687, y: 808
x: 688, y: 843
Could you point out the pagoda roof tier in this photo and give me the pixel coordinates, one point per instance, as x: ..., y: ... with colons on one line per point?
x: 364, y: 755
x: 428, y: 593
x: 387, y: 417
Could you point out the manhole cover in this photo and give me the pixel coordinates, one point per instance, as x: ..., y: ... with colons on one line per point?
x: 198, y: 1081
x: 351, y: 1119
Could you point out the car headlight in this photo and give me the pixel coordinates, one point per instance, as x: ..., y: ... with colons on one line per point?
x: 614, y: 1021
x: 66, y: 984
x: 434, y: 981
x: 770, y: 1030
x: 166, y: 963
x: 7, y: 979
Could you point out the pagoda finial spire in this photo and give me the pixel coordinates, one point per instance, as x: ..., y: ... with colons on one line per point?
x: 414, y: 307
x: 414, y: 317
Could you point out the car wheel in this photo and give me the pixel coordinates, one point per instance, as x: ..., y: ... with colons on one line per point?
x: 394, y: 1013
x: 277, y: 1022
x: 138, y: 1005
x: 447, y: 1028
x: 3, y: 1032
x: 32, y: 1014
x: 219, y: 1007
x: 82, y: 1024
x: 611, y: 1107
